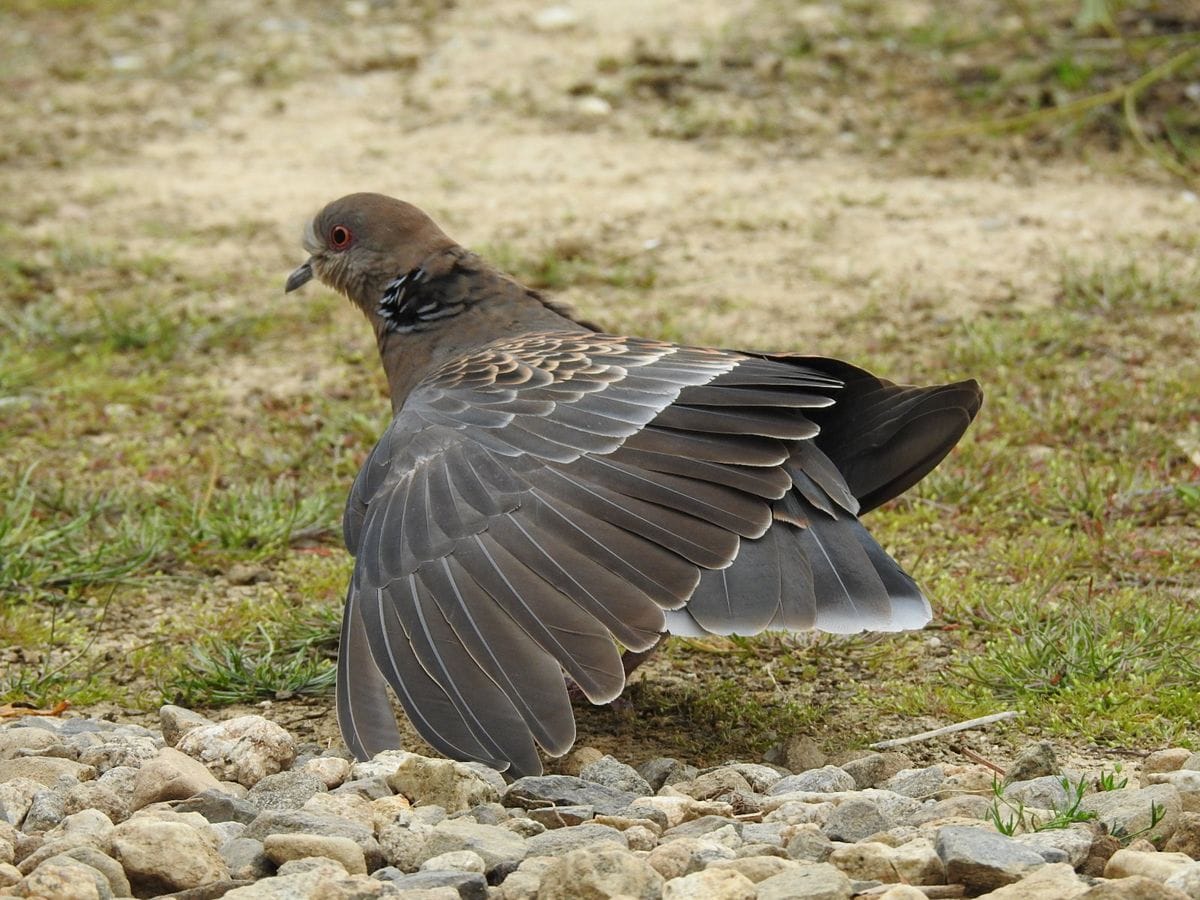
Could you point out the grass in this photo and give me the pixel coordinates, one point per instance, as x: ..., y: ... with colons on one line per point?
x: 946, y: 85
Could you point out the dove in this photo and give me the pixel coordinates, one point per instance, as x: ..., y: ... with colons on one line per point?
x: 548, y: 495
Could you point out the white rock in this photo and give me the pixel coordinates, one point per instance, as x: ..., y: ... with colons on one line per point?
x: 455, y: 861
x: 245, y: 749
x: 445, y: 783
x: 1159, y: 866
x: 555, y: 18
x: 710, y: 884
x: 332, y: 770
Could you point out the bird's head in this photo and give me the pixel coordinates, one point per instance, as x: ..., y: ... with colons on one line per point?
x: 361, y: 242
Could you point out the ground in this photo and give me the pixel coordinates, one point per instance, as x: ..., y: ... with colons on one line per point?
x: 832, y: 178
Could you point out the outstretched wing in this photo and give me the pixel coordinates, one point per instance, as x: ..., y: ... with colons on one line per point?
x: 535, y: 499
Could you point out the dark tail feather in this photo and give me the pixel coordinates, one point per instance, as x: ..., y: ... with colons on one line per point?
x: 886, y: 437
x: 830, y: 575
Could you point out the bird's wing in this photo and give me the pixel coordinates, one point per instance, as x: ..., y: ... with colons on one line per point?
x: 537, y: 498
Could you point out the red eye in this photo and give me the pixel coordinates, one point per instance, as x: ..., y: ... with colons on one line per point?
x: 339, y: 237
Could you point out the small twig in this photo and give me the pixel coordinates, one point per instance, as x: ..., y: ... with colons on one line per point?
x: 949, y: 729
x: 982, y: 760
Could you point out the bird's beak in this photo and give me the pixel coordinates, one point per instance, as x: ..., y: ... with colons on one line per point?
x: 299, y: 278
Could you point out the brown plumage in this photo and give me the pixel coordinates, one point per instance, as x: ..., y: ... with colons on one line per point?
x: 546, y: 490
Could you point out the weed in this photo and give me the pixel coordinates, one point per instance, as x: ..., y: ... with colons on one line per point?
x: 1013, y: 817
x: 257, y: 667
x: 1111, y: 780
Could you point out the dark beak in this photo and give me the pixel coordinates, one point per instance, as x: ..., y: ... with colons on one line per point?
x: 299, y: 278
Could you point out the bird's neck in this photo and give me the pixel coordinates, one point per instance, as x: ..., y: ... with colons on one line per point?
x: 487, y: 306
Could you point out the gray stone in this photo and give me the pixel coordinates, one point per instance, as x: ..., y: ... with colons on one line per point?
x: 814, y: 881
x: 16, y: 742
x: 312, y: 879
x: 717, y: 783
x: 1135, y: 887
x: 756, y: 868
x: 1186, y: 838
x: 170, y: 775
x: 1057, y: 881
x: 15, y: 799
x: 374, y: 788
x: 809, y: 844
x: 218, y: 806
x: 867, y: 771
x: 799, y: 753
x: 46, y: 810
x: 496, y: 845
x: 484, y: 814
x: 1034, y: 761
x: 175, y: 722
x: 613, y: 774
x: 107, y: 866
x: 854, y: 820
x: 1046, y: 792
x: 1186, y: 880
x: 826, y: 780
x: 1187, y: 782
x: 120, y: 750
x: 455, y: 861
x: 963, y: 806
x: 700, y: 827
x: 162, y: 856
x: 284, y: 790
x: 562, y: 816
x: 564, y: 840
x: 917, y: 783
x: 643, y: 811
x: 566, y: 790
x: 1127, y: 811
x: 381, y: 765
x: 469, y: 885
x: 663, y: 771
x: 1075, y: 842
x: 279, y: 848
x: 45, y: 769
x: 599, y: 873
x: 1171, y: 759
x: 294, y: 821
x: 451, y: 785
x: 764, y: 833
x: 760, y: 777
x: 246, y: 859
x: 66, y: 879
x: 686, y: 855
x: 91, y: 795
x: 983, y: 860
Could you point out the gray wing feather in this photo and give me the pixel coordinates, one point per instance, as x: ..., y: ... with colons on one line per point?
x: 536, y: 499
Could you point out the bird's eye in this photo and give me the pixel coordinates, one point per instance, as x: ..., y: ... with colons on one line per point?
x: 339, y: 237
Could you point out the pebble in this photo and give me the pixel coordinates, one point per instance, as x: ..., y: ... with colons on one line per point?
x: 97, y: 809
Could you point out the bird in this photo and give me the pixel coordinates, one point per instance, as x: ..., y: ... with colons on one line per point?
x: 548, y: 494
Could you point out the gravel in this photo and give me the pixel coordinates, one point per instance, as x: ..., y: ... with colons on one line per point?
x: 94, y: 809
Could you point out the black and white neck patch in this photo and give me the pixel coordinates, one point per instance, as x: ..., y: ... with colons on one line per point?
x: 413, y: 301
